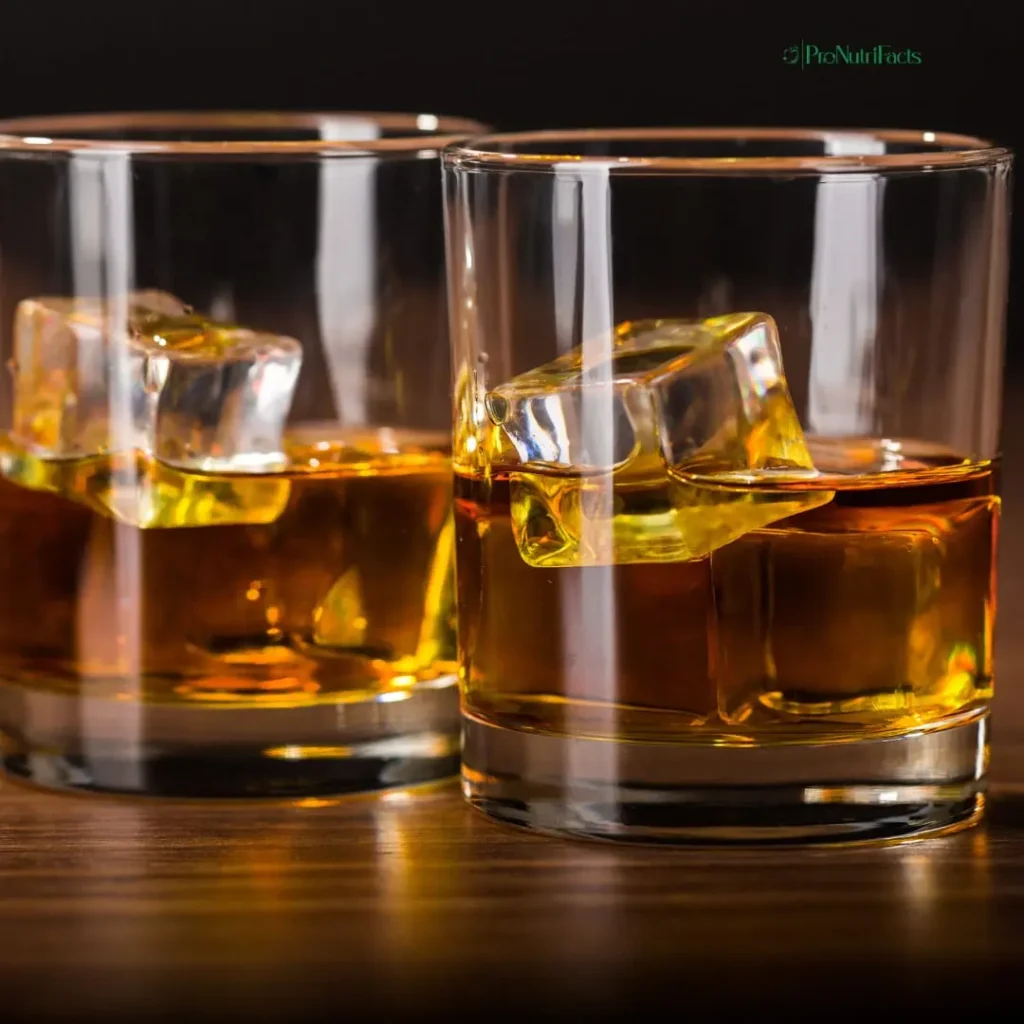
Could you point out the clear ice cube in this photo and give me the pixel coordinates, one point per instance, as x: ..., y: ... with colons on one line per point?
x: 62, y: 368
x: 166, y: 420
x: 661, y: 444
x: 220, y: 394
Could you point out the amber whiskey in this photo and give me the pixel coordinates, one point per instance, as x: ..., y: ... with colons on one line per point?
x: 328, y: 582
x: 868, y: 616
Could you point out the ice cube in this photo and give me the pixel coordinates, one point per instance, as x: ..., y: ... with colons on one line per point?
x: 340, y: 619
x: 709, y: 392
x: 62, y: 370
x: 206, y: 405
x: 660, y: 444
x: 144, y: 492
x: 140, y: 491
x: 479, y: 444
x: 858, y: 612
x: 221, y: 394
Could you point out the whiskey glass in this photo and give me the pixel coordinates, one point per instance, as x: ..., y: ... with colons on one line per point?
x: 225, y: 484
x: 726, y: 478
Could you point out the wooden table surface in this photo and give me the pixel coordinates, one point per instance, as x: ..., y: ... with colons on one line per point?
x: 411, y: 904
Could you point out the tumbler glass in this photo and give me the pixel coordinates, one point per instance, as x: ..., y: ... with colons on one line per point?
x: 726, y: 478
x: 225, y: 483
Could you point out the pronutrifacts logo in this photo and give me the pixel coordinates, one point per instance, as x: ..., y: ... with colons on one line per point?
x: 809, y: 55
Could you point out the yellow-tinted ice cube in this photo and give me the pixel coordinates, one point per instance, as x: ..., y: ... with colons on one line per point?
x: 608, y: 519
x: 140, y: 491
x: 667, y: 441
x: 859, y: 612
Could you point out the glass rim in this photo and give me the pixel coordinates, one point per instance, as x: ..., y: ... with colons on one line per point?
x: 57, y: 133
x: 950, y: 151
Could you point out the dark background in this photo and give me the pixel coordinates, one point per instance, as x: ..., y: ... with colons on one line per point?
x: 524, y: 64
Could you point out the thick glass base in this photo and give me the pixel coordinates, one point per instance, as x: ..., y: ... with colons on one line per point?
x: 868, y: 790
x: 74, y: 742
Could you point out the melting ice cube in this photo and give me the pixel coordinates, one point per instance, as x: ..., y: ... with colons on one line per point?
x: 160, y: 421
x: 662, y: 443
x: 64, y: 350
x: 221, y: 394
x: 710, y: 391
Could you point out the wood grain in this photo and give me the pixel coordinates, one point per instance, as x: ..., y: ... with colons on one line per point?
x: 410, y: 903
